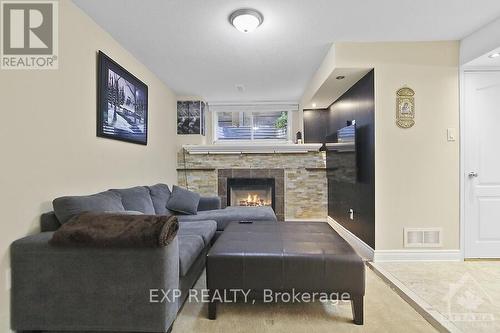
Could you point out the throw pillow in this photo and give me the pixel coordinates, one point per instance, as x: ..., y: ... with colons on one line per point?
x: 136, y: 198
x: 183, y: 201
x: 160, y: 193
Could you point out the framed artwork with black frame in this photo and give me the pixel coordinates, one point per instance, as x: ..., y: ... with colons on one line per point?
x: 191, y: 117
x: 122, y: 103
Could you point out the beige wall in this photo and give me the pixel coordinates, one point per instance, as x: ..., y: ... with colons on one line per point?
x: 417, y: 169
x: 48, y: 142
x: 297, y: 123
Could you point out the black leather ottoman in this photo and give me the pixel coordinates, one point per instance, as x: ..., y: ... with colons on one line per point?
x: 305, y: 257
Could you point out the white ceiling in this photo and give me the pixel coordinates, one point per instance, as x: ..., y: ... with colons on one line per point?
x: 333, y: 88
x: 190, y: 45
x: 485, y: 61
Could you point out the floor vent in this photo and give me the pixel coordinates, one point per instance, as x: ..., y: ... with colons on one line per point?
x: 423, y: 237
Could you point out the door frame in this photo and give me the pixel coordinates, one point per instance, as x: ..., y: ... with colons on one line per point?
x: 463, y: 172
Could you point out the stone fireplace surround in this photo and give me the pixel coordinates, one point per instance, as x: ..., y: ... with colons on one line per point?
x: 304, y: 174
x: 277, y: 174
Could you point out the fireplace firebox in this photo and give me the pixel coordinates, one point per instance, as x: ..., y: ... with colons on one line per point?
x: 253, y: 177
x: 251, y: 192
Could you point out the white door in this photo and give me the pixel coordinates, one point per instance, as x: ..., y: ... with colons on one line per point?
x: 482, y: 164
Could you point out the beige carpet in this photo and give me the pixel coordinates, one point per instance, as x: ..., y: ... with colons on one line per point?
x: 385, y: 312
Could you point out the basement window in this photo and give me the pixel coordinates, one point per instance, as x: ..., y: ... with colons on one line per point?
x: 252, y: 126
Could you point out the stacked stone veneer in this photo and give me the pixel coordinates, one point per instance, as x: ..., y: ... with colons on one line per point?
x: 305, y: 184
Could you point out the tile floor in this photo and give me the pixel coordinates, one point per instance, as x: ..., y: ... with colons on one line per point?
x: 466, y: 294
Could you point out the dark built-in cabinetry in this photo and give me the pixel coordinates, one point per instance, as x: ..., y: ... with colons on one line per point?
x: 351, y: 173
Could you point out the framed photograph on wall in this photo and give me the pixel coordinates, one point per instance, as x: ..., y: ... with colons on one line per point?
x: 122, y: 106
x: 203, y: 122
x: 191, y: 117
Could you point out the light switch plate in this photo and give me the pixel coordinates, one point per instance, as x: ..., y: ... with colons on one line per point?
x: 451, y: 134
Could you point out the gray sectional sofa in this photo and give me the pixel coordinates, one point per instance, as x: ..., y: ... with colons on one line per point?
x: 112, y: 289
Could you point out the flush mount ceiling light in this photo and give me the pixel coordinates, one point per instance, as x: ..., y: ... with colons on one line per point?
x: 340, y: 77
x: 495, y: 55
x: 246, y: 20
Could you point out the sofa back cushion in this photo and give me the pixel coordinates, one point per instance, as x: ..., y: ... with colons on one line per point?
x: 67, y: 207
x: 136, y: 199
x: 160, y: 193
x: 183, y: 201
x: 49, y: 222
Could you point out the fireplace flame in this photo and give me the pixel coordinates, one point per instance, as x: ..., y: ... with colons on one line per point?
x: 254, y: 200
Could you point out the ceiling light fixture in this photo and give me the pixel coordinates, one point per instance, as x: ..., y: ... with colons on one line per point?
x: 246, y: 20
x: 313, y: 105
x: 340, y: 77
x: 495, y: 55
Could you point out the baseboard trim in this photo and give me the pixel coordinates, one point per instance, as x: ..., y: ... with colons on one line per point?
x: 363, y: 249
x: 417, y: 255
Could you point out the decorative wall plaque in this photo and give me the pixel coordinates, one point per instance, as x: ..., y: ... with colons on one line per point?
x: 405, y: 107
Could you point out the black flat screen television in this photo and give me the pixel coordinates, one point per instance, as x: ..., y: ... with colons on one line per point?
x: 341, y: 156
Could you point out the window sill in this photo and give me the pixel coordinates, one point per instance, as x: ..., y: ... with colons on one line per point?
x: 252, y: 148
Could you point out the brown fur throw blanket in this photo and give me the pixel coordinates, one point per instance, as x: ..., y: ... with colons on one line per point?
x: 116, y: 230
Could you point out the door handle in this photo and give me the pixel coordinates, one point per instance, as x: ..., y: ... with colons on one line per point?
x: 473, y: 174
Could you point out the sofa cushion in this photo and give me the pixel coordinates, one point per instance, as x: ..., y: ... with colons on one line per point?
x: 67, y: 207
x: 125, y: 212
x: 183, y: 201
x: 209, y: 203
x: 160, y: 193
x: 136, y: 198
x: 190, y: 247
x: 49, y: 222
x: 205, y: 229
x: 231, y: 214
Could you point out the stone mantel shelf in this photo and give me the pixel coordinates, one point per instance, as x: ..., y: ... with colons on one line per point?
x: 252, y: 148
